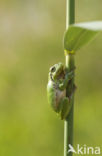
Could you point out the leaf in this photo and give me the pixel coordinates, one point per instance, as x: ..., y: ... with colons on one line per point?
x: 80, y: 34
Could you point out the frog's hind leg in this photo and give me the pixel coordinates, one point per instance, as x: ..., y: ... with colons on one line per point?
x: 66, y: 106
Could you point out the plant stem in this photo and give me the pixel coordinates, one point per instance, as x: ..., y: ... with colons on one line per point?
x: 68, y: 123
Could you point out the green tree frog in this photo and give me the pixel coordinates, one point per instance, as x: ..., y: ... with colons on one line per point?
x: 59, y: 78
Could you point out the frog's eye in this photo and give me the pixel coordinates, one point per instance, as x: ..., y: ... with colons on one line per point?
x: 53, y: 69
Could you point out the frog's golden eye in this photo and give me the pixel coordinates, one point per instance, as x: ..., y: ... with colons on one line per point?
x: 53, y: 69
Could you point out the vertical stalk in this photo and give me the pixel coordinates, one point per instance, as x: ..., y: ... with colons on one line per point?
x: 68, y: 123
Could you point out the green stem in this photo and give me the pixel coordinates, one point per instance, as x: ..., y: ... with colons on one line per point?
x: 68, y: 124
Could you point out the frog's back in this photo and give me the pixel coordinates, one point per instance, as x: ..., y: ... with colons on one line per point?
x: 51, y: 94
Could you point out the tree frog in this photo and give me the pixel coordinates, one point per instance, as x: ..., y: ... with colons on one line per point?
x: 58, y: 80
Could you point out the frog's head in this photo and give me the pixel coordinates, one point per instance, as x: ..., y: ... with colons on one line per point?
x: 56, y: 70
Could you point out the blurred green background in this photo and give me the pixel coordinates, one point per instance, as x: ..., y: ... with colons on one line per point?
x: 31, y: 34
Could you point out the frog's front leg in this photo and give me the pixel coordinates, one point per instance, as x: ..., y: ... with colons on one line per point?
x: 65, y: 107
x: 68, y: 77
